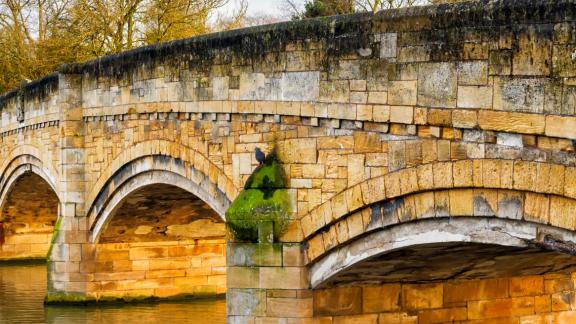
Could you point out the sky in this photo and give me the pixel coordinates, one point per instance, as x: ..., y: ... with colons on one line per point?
x: 269, y: 7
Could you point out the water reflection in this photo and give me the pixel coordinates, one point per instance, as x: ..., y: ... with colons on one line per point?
x: 22, y: 289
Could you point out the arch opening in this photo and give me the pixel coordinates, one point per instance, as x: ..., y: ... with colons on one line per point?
x: 441, y: 249
x: 446, y: 270
x: 160, y: 241
x: 29, y: 212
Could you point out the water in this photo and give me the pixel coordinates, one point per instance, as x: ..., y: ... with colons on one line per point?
x: 22, y: 290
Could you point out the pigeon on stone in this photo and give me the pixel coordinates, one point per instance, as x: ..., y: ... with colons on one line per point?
x: 260, y: 156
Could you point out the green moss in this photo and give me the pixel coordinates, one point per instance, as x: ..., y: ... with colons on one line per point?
x: 270, y: 175
x: 55, y: 234
x: 72, y: 299
x: 67, y: 298
x: 264, y: 199
x: 254, y: 206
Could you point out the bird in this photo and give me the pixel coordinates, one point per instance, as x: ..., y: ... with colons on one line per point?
x: 260, y: 156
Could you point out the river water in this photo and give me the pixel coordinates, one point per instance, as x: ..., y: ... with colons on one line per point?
x: 23, y: 286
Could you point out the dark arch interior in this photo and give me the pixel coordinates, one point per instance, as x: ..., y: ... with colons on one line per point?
x: 447, y: 261
x: 162, y: 212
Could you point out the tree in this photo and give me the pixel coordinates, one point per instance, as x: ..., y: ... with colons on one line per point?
x: 36, y: 36
x: 318, y: 8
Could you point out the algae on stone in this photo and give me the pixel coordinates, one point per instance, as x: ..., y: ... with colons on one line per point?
x: 264, y: 199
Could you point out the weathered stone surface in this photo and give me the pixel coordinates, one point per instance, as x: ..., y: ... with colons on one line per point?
x: 473, y: 73
x: 388, y: 45
x: 437, y: 85
x: 533, y: 55
x: 474, y: 97
x: 300, y: 86
x: 519, y: 94
x: 402, y: 93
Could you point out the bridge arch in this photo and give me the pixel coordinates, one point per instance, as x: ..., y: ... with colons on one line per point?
x: 149, y: 178
x: 217, y: 189
x: 29, y: 206
x: 460, y: 248
x: 527, y: 176
x: 157, y: 227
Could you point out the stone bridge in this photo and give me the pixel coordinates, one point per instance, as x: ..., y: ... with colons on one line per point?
x: 429, y: 153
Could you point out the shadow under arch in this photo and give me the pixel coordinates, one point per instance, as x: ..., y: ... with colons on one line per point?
x: 102, y: 214
x: 437, y: 249
x: 25, y: 164
x: 185, y: 161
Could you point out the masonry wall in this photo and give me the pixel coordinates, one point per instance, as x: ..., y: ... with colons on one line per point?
x: 168, y: 269
x: 528, y: 299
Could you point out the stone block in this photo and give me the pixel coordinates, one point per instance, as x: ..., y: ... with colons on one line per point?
x: 511, y: 122
x: 401, y: 114
x: 437, y: 85
x: 381, y: 113
x: 525, y: 174
x: 561, y: 212
x: 510, y: 204
x: 564, y: 65
x: 487, y: 309
x: 249, y: 254
x: 348, y: 69
x: 220, y: 86
x: 402, y: 93
x: 373, y: 190
x: 358, y: 97
x: 357, y: 85
x: 440, y: 117
x: 388, y: 43
x: 424, y: 205
x: 507, y: 139
x: 338, y: 301
x: 485, y: 202
x: 519, y: 94
x: 256, y: 86
x: 301, y: 150
x: 356, y: 319
x: 500, y: 62
x: 526, y: 286
x: 289, y: 307
x: 443, y: 175
x: 560, y: 126
x: 422, y: 296
x: 464, y: 118
x: 445, y: 315
x: 533, y: 54
x: 397, y: 318
x: 413, y: 54
x: 377, y: 97
x: 283, y: 278
x: 475, y: 51
x: 475, y: 97
x: 336, y: 91
x: 473, y: 73
x: 461, y: 202
x: 246, y: 302
x: 461, y: 292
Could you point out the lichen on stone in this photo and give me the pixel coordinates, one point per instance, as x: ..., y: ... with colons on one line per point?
x: 264, y: 199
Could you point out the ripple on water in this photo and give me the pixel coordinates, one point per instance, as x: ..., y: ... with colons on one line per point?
x: 22, y: 290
